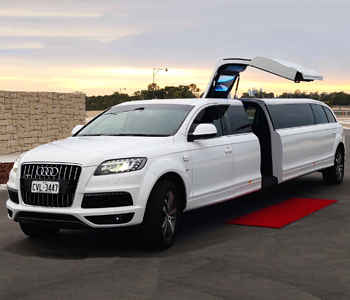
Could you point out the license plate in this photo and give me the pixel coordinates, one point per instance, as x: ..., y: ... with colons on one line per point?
x: 45, y: 187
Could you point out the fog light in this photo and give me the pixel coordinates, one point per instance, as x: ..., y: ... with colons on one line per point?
x: 111, y: 219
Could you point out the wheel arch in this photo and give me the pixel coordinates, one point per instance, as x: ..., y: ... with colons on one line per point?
x: 335, y: 173
x: 180, y: 185
x: 342, y: 147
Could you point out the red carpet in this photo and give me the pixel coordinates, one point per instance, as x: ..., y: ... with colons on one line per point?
x: 283, y: 213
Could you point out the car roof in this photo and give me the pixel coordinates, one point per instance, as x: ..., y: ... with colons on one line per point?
x: 188, y: 101
x: 278, y: 101
x: 229, y: 101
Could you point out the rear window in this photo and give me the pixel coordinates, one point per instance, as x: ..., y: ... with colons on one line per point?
x: 330, y: 116
x: 319, y: 113
x: 291, y: 115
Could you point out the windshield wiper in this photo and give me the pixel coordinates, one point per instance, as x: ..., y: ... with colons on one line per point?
x: 122, y: 111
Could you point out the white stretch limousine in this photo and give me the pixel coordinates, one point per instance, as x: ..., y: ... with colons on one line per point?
x: 145, y: 162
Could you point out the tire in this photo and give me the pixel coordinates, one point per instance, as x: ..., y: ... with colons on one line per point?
x: 37, y: 231
x: 335, y: 174
x: 161, y: 219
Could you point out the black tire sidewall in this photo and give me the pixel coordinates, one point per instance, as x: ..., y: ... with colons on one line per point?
x: 152, y: 235
x: 330, y: 174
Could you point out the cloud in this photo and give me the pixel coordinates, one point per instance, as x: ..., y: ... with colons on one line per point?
x: 98, y: 43
x: 21, y: 45
x: 26, y: 13
x: 56, y: 29
x: 54, y: 9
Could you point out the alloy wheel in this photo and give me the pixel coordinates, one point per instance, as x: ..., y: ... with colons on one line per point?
x: 169, y: 215
x: 339, y: 166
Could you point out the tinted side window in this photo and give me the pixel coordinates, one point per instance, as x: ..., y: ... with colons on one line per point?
x: 209, y: 115
x: 291, y: 115
x: 235, y: 120
x: 330, y: 116
x: 251, y: 111
x: 319, y: 113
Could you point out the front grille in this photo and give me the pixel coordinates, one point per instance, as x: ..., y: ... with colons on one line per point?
x: 38, y: 171
x: 66, y: 175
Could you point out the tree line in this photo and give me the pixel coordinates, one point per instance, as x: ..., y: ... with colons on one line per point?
x: 332, y: 99
x: 153, y: 91
x: 192, y: 91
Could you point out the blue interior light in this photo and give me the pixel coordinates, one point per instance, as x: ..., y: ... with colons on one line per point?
x: 221, y: 88
x: 235, y: 68
x: 225, y: 78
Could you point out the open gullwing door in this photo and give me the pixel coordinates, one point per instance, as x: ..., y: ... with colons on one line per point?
x: 227, y: 73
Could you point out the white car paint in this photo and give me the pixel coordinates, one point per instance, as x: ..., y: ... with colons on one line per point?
x: 210, y: 170
x: 282, y: 68
x: 302, y: 150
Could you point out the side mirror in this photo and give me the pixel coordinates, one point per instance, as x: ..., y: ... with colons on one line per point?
x: 203, y: 131
x: 76, y: 129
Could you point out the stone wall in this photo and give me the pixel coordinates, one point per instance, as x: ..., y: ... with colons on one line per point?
x: 28, y: 120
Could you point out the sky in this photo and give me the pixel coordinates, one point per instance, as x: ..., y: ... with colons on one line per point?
x: 100, y: 47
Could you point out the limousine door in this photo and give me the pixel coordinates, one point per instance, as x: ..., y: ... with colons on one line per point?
x: 285, y: 69
x: 212, y: 162
x: 302, y: 140
x: 269, y: 140
x: 227, y: 73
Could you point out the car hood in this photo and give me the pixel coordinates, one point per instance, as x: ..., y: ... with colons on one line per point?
x: 92, y: 151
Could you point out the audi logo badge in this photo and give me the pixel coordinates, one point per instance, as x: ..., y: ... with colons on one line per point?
x: 47, y: 171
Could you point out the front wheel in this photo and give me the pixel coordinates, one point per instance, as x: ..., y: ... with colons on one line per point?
x: 161, y: 218
x: 335, y: 174
x: 37, y: 231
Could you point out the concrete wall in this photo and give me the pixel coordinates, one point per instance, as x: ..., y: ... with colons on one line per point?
x: 28, y: 120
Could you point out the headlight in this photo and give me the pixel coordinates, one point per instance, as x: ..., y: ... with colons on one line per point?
x: 121, y: 166
x: 16, y: 164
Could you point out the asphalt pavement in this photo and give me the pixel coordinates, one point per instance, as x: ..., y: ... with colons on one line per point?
x: 308, y: 259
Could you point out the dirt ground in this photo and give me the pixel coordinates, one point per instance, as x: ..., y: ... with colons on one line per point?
x: 5, y: 169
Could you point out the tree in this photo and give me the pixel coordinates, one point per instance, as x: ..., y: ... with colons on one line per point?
x: 245, y: 95
x: 169, y: 92
x: 104, y: 102
x: 260, y: 94
x: 335, y: 98
x: 192, y: 91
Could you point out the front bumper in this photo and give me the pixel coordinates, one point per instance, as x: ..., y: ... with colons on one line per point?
x: 76, y: 218
x: 137, y: 184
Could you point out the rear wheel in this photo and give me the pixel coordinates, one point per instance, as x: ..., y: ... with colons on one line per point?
x: 335, y: 174
x: 161, y: 218
x: 37, y: 231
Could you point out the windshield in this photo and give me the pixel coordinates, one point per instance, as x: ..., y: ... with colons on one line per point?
x: 138, y: 120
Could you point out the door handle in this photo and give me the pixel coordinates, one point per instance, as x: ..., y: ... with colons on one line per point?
x: 334, y: 132
x: 228, y: 150
x: 186, y: 157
